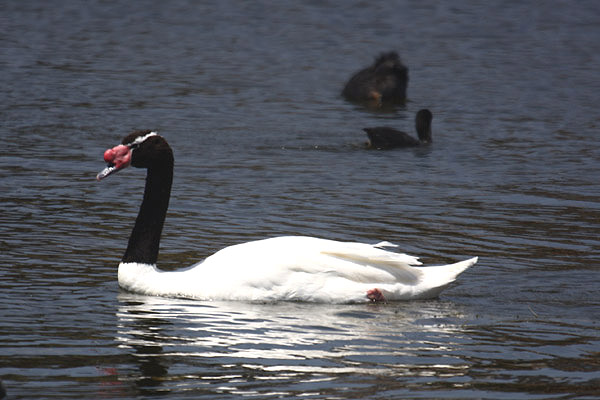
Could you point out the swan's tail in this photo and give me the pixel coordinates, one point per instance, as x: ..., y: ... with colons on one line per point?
x: 439, y: 277
x: 458, y: 268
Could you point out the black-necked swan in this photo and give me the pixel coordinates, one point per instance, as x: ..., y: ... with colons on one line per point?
x: 281, y: 268
x: 384, y: 82
x: 382, y: 137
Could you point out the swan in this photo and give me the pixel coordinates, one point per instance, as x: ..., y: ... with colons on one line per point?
x: 383, y: 82
x: 386, y: 138
x: 280, y: 268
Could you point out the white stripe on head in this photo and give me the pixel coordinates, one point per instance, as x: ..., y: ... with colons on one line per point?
x: 140, y: 139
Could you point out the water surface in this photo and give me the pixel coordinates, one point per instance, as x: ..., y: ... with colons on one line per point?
x: 248, y: 96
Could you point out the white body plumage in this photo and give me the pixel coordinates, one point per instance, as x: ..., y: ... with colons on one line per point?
x: 296, y: 268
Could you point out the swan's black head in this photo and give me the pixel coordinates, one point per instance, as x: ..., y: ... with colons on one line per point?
x: 148, y: 149
x: 141, y: 149
x: 423, y: 125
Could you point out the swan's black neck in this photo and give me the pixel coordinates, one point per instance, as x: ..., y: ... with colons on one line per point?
x: 145, y: 238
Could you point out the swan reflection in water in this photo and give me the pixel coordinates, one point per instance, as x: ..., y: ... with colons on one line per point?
x: 234, y: 347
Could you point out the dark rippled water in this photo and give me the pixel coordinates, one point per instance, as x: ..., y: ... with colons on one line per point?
x: 247, y: 94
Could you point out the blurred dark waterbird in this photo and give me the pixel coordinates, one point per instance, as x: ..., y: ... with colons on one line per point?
x: 382, y: 83
x: 387, y: 138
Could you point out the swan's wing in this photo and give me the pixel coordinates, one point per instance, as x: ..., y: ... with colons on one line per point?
x: 294, y: 262
x: 369, y: 263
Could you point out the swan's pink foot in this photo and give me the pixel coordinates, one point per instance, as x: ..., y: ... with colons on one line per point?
x: 375, y: 295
